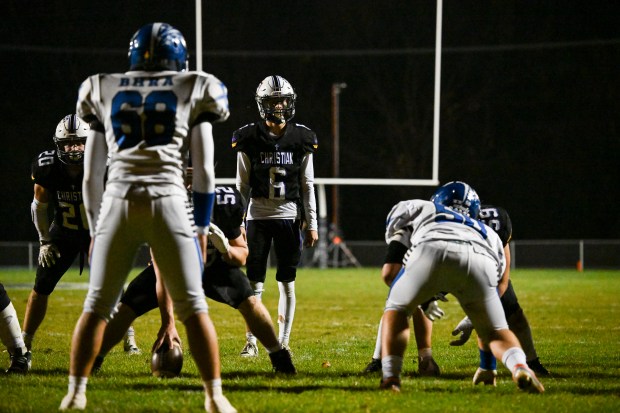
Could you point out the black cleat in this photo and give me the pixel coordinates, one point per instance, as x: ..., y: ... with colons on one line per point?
x: 537, y: 367
x: 20, y: 363
x: 373, y: 366
x: 282, y: 362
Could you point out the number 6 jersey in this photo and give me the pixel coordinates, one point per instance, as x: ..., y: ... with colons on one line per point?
x: 147, y: 117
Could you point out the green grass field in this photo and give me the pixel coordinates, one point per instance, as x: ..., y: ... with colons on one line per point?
x: 575, y: 318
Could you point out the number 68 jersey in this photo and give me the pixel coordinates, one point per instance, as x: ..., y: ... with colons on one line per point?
x: 147, y: 117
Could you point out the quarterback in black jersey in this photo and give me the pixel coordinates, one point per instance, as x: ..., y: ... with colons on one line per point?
x: 222, y: 281
x: 57, y: 176
x: 275, y: 175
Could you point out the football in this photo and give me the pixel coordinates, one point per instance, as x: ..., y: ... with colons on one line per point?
x: 167, y: 363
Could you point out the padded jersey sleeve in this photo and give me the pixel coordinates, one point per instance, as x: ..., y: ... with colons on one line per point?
x: 211, y: 100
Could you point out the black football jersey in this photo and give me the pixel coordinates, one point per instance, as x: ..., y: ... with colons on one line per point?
x: 228, y: 215
x: 276, y: 162
x: 498, y: 219
x: 228, y: 210
x: 65, y: 191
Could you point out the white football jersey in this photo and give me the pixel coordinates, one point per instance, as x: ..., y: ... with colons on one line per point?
x: 415, y: 221
x: 147, y: 117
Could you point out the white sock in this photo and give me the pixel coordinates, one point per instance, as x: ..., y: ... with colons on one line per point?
x: 250, y: 338
x: 392, y: 366
x: 213, y: 388
x: 286, y: 310
x: 77, y: 385
x: 512, y: 357
x: 130, y: 332
x: 377, y: 353
x: 258, y: 289
x: 10, y: 331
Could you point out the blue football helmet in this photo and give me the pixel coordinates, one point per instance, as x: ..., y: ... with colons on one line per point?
x: 158, y: 46
x: 458, y: 196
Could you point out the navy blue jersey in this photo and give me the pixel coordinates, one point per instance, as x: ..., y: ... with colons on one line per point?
x: 228, y: 214
x: 498, y: 219
x: 275, y: 159
x: 64, y: 189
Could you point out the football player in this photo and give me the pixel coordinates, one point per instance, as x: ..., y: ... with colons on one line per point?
x: 57, y: 176
x: 11, y: 336
x: 144, y: 122
x: 222, y: 281
x: 448, y: 250
x: 275, y: 175
x: 498, y: 219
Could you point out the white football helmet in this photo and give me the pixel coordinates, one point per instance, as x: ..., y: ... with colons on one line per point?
x: 71, y: 130
x: 275, y: 98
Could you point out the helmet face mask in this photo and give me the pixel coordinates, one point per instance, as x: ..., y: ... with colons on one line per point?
x: 459, y: 197
x: 70, y: 138
x: 275, y: 98
x: 158, y: 46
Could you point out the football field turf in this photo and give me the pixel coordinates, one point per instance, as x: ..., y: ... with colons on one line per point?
x: 575, y: 320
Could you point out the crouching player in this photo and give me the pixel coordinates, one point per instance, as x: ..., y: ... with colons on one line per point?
x: 222, y: 281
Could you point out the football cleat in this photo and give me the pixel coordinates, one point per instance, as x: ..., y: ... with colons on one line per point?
x: 391, y: 383
x: 537, y: 367
x: 249, y: 350
x: 130, y: 346
x: 427, y: 367
x: 73, y: 401
x: 20, y: 363
x: 526, y: 379
x: 487, y: 377
x: 219, y: 404
x: 282, y: 362
x: 373, y: 366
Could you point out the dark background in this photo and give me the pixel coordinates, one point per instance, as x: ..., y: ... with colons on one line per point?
x: 529, y: 96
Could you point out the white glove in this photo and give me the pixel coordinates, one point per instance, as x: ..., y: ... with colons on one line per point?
x: 465, y: 328
x: 48, y: 254
x: 218, y: 239
x: 433, y: 312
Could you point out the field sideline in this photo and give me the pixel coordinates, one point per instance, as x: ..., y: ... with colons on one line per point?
x: 574, y: 317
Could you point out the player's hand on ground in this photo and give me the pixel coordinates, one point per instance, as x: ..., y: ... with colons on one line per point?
x: 464, y: 328
x: 433, y: 312
x: 218, y: 239
x: 48, y: 253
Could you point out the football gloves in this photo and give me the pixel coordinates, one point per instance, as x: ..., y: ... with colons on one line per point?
x: 433, y: 312
x: 48, y: 253
x: 218, y: 239
x: 465, y: 328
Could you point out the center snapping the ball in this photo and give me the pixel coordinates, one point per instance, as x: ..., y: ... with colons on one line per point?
x: 166, y: 362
